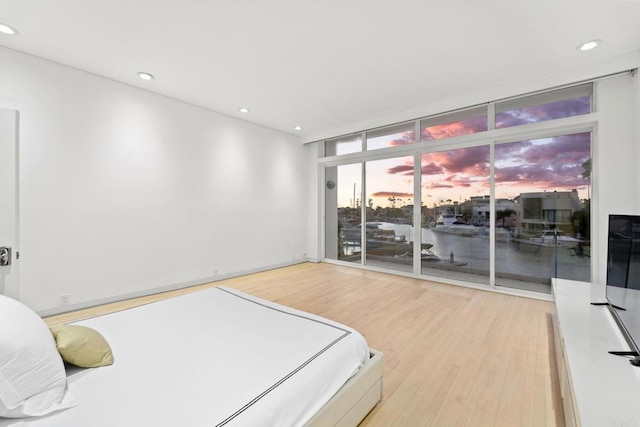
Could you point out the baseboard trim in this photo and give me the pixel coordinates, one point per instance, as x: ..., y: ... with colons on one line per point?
x: 167, y: 288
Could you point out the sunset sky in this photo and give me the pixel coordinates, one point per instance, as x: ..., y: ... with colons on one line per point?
x: 526, y: 166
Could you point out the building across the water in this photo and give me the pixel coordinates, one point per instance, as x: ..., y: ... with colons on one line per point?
x: 547, y: 210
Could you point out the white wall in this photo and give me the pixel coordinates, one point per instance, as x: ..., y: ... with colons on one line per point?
x: 126, y: 192
x: 616, y: 177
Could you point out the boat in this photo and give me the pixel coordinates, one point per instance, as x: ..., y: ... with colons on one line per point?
x: 379, y: 241
x: 549, y: 239
x: 385, y: 245
x: 427, y: 257
x: 451, y: 224
x: 426, y: 254
x: 502, y: 234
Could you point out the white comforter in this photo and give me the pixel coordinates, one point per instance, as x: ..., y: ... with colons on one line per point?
x: 217, y: 357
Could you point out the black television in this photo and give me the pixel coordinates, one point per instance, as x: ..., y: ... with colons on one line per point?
x: 623, y: 278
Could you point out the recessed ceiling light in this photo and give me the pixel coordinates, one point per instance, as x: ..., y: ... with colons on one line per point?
x: 297, y: 127
x: 244, y: 110
x: 589, y: 45
x: 145, y: 76
x: 5, y: 29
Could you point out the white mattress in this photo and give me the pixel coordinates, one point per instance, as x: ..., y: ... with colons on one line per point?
x: 213, y: 358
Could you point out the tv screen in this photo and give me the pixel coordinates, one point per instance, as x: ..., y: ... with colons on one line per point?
x: 623, y: 275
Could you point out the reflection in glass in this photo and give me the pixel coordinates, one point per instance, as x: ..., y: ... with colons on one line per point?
x: 455, y: 201
x: 344, y: 145
x: 389, y: 207
x: 544, y: 231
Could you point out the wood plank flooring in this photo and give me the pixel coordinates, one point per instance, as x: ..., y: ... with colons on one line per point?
x: 453, y: 356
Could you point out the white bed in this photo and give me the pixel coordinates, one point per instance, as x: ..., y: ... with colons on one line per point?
x: 220, y: 357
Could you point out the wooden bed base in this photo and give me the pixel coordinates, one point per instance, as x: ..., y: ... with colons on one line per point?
x: 351, y: 404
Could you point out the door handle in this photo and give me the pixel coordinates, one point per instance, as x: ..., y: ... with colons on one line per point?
x: 5, y: 256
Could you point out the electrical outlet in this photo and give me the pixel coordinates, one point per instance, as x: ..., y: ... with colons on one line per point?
x: 65, y: 299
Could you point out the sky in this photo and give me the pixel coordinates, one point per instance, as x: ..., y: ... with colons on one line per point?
x: 546, y: 164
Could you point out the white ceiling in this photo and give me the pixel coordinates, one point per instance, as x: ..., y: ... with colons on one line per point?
x: 322, y: 64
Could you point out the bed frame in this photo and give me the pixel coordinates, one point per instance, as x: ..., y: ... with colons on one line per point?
x: 351, y: 404
x: 354, y: 400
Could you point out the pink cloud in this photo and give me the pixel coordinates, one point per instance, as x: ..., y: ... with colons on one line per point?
x: 474, y: 161
x: 434, y: 185
x: 404, y: 169
x: 431, y: 169
x: 448, y: 130
x: 392, y: 194
x: 550, y: 163
x: 553, y: 165
x: 539, y: 113
x: 404, y: 139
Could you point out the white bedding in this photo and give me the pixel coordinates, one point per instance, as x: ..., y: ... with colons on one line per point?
x: 217, y: 357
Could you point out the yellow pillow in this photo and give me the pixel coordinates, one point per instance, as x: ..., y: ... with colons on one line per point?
x: 82, y: 346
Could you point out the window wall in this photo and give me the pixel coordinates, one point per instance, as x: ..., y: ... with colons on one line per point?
x: 496, y: 211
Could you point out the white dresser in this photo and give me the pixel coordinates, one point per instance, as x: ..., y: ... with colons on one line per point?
x: 598, y: 389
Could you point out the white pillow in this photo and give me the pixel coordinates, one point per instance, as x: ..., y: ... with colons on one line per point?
x: 33, y: 381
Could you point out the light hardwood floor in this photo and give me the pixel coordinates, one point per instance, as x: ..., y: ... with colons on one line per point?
x: 453, y: 356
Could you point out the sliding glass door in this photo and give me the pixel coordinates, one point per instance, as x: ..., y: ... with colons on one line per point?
x: 455, y: 214
x: 389, y: 206
x: 543, y: 218
x: 343, y: 213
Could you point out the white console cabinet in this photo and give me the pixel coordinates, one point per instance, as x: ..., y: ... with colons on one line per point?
x: 598, y: 389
